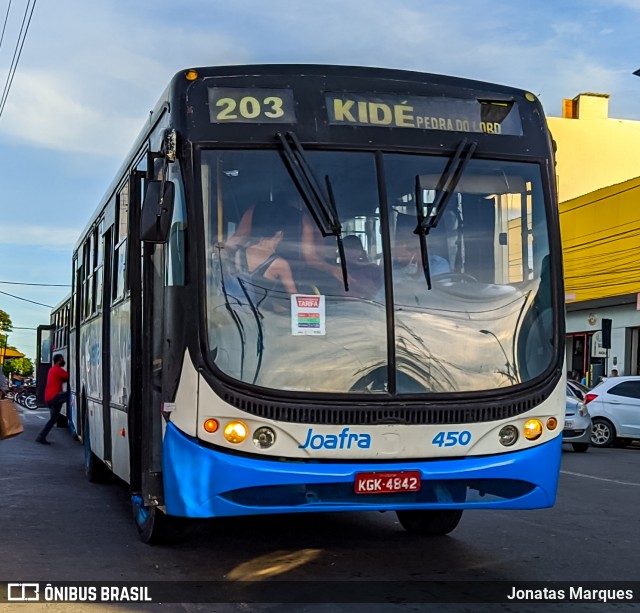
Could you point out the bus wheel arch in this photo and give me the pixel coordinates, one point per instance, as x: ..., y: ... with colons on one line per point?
x: 430, y: 522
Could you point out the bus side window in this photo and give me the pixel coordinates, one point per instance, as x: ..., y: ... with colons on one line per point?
x: 120, y: 251
x: 176, y: 265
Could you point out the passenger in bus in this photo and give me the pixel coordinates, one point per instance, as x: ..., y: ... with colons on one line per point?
x: 304, y: 248
x: 264, y: 271
x: 365, y: 277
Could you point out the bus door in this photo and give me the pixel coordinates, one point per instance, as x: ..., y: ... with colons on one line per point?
x: 43, y: 360
x: 152, y: 341
x: 148, y: 419
x: 105, y: 299
x: 74, y: 348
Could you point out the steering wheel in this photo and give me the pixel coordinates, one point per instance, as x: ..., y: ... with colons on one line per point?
x: 454, y: 277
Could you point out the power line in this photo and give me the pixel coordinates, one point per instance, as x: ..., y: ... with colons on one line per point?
x: 25, y: 300
x: 16, y: 54
x: 4, y: 27
x: 35, y: 284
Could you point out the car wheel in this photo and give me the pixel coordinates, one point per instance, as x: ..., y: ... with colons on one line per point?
x: 429, y: 523
x: 580, y: 447
x: 602, y: 433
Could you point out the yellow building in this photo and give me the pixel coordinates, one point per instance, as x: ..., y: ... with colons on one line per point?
x: 8, y: 353
x: 594, y: 150
x: 598, y: 168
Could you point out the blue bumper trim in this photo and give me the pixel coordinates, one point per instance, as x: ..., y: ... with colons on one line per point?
x: 199, y: 481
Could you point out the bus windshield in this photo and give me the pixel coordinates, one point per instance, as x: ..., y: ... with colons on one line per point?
x: 277, y: 311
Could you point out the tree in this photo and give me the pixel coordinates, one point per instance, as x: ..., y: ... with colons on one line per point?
x: 5, y: 327
x: 5, y: 322
x: 19, y: 366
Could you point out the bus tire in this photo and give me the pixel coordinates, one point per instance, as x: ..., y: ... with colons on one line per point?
x: 94, y: 469
x: 580, y: 447
x: 154, y: 526
x: 430, y: 522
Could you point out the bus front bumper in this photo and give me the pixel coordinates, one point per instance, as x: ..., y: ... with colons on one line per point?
x: 203, y: 482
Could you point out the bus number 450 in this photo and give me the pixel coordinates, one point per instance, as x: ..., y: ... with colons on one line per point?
x: 449, y: 439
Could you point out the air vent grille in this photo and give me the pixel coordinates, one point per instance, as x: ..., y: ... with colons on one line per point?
x: 433, y: 413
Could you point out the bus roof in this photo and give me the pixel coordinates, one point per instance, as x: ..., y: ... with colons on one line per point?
x: 303, y: 73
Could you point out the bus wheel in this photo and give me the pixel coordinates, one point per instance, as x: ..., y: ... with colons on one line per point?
x: 154, y: 526
x: 581, y: 447
x: 94, y: 470
x: 429, y: 523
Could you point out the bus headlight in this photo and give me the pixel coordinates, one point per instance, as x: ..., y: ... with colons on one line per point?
x: 533, y: 429
x: 508, y: 435
x: 236, y: 431
x: 264, y: 437
x: 552, y: 423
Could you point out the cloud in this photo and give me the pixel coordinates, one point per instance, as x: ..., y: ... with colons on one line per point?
x: 41, y: 236
x: 42, y: 110
x: 634, y: 5
x: 87, y: 85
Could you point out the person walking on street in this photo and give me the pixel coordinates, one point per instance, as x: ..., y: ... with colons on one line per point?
x: 53, y: 395
x: 4, y: 386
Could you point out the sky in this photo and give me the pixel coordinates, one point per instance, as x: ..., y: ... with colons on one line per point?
x: 90, y: 71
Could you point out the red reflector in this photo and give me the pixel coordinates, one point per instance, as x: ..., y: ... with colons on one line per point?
x: 589, y: 397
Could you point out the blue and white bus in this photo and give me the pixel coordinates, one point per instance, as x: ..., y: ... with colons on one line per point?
x: 325, y: 288
x: 53, y: 339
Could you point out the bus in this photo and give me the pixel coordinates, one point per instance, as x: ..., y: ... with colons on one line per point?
x: 52, y: 339
x: 325, y: 288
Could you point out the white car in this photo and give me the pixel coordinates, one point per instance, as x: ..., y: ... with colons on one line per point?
x: 614, y: 406
x: 577, y: 423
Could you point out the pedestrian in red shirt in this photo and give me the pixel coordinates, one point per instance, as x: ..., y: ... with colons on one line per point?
x: 53, y: 395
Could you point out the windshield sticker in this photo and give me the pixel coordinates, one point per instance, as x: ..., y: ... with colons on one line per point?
x: 307, y: 315
x: 493, y: 117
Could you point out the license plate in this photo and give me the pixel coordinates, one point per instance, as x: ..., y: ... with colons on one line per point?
x: 568, y: 425
x: 388, y: 482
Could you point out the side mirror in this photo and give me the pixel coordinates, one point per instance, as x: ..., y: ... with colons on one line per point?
x: 157, y: 211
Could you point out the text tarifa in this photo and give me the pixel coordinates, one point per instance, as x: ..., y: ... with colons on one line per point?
x: 404, y: 116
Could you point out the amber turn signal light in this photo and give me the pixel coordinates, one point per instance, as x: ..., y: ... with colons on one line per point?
x: 211, y: 425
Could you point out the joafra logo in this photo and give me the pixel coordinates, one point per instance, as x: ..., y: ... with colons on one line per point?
x: 344, y: 440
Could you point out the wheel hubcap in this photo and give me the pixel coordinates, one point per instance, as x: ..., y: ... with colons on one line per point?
x: 600, y: 434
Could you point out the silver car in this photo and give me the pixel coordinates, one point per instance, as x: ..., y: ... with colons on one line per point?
x: 615, y: 407
x: 577, y: 422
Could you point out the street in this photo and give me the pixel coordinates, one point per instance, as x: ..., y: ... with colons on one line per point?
x: 59, y: 527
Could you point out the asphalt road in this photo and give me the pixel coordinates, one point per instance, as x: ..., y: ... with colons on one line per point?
x: 58, y: 527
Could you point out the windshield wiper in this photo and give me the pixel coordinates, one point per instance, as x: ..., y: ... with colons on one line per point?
x: 323, y: 210
x: 444, y: 190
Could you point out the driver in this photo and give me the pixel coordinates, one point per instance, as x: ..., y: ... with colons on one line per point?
x: 407, y: 261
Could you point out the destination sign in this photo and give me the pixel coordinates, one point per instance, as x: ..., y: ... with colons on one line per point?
x: 424, y: 113
x: 251, y: 105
